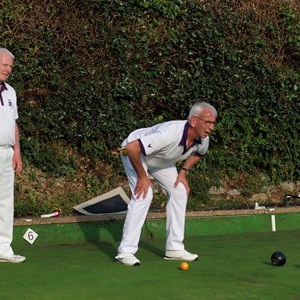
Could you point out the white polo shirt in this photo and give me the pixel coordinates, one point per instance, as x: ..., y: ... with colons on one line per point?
x: 8, y: 115
x: 165, y: 144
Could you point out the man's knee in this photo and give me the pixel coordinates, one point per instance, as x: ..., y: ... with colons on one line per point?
x: 146, y: 200
x: 178, y: 192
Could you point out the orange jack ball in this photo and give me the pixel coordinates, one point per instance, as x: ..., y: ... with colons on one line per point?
x: 184, y: 266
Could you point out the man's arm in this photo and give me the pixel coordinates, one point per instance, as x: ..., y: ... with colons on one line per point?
x: 17, y: 159
x: 134, y: 152
x: 188, y: 164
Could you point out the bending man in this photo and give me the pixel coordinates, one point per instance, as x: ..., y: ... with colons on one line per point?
x: 155, y: 151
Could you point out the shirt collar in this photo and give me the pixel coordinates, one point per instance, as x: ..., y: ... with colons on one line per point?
x: 3, y: 86
x: 185, y: 134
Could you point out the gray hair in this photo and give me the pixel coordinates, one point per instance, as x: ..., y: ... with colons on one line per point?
x: 6, y: 51
x: 197, y: 108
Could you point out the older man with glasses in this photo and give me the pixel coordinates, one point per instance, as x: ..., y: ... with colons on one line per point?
x: 10, y: 157
x: 155, y: 151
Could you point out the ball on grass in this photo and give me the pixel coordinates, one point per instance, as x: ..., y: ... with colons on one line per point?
x: 184, y: 266
x: 278, y: 259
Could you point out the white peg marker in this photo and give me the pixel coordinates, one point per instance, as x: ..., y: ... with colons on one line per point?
x: 273, y: 221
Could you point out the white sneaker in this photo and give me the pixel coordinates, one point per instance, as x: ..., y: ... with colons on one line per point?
x: 127, y: 259
x: 180, y: 255
x: 15, y: 259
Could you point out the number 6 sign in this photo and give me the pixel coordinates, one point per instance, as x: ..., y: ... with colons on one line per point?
x: 30, y: 236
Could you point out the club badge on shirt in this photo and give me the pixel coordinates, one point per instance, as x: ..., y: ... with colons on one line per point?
x: 10, y: 104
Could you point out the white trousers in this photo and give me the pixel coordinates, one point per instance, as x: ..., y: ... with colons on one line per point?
x: 6, y: 200
x: 138, y: 208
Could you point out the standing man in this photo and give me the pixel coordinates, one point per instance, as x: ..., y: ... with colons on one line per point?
x: 155, y: 151
x: 10, y: 157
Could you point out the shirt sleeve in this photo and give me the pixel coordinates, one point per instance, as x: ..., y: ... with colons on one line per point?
x: 203, y: 147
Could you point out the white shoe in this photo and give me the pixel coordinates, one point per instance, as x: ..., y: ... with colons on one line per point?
x: 127, y: 259
x: 180, y: 255
x: 15, y: 259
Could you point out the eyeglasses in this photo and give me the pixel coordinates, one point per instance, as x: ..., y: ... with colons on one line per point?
x: 207, y: 123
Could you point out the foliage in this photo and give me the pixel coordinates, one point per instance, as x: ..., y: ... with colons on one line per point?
x: 89, y: 72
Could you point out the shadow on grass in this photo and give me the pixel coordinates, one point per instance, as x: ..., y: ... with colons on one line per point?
x: 297, y: 266
x: 106, y: 236
x: 268, y: 263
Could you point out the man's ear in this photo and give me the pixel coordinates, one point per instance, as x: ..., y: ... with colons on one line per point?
x: 193, y: 121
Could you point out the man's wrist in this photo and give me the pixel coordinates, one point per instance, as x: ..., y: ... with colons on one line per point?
x: 184, y: 169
